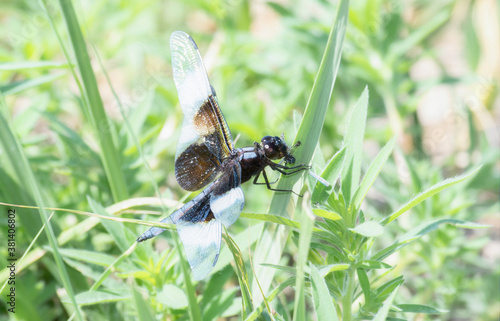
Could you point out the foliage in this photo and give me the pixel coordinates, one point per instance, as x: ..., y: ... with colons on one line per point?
x: 89, y: 123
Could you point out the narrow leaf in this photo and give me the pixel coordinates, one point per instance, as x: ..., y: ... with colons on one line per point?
x: 372, y: 172
x: 431, y: 226
x: 20, y: 65
x: 399, y: 48
x: 331, y: 173
x: 98, y: 297
x: 273, y: 239
x: 327, y: 214
x: 317, y: 105
x: 327, y: 269
x: 304, y: 244
x: 368, y: 229
x: 353, y: 139
x: 420, y: 308
x: 323, y: 302
x: 372, y: 264
x: 364, y: 281
x: 99, y: 119
x: 277, y: 290
x: 172, y: 297
x: 241, y: 272
x: 117, y: 231
x: 382, y: 313
x: 18, y: 86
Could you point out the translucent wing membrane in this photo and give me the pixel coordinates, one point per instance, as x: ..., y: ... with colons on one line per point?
x: 200, y: 234
x: 202, y: 245
x: 204, y: 124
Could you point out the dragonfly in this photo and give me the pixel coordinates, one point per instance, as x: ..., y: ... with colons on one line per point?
x: 207, y: 160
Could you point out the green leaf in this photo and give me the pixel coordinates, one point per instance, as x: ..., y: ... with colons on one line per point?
x: 20, y: 65
x: 98, y: 297
x: 364, y: 282
x: 323, y: 304
x: 353, y: 139
x: 331, y: 173
x: 388, y: 287
x: 327, y: 214
x: 327, y: 269
x: 472, y: 46
x: 114, y: 229
x: 273, y: 239
x: 18, y: 86
x: 272, y: 219
x: 283, y: 268
x: 398, y: 49
x: 372, y: 264
x: 97, y: 258
x: 317, y: 105
x: 420, y: 308
x: 304, y: 245
x: 241, y: 272
x: 245, y: 239
x: 428, y: 193
x: 172, y: 297
x: 368, y: 229
x: 277, y: 290
x: 384, y: 310
x: 427, y: 227
x: 382, y: 254
x: 372, y: 172
x: 25, y: 176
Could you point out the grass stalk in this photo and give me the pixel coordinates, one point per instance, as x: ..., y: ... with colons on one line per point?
x: 109, y: 154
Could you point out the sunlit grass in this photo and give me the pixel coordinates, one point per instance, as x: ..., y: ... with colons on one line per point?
x: 90, y: 121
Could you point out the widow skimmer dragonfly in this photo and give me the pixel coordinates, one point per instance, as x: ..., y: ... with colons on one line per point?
x: 206, y: 156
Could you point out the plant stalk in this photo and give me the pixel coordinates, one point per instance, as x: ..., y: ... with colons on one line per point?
x: 348, y: 295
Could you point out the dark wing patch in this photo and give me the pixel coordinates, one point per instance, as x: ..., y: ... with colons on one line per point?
x: 195, y: 167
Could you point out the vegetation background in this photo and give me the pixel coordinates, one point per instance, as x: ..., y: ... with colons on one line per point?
x: 432, y: 70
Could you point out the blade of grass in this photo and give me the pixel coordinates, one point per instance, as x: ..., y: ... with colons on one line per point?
x: 193, y: 307
x: 272, y: 242
x: 241, y: 272
x: 304, y: 244
x: 20, y: 261
x: 21, y: 65
x: 27, y: 179
x: 330, y: 174
x: 317, y: 105
x: 277, y: 290
x: 323, y: 304
x: 18, y: 86
x: 414, y: 201
x: 100, y: 122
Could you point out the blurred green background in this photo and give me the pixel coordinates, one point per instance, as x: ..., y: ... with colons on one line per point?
x: 432, y: 69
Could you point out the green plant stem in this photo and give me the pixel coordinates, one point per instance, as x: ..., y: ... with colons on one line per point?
x: 348, y: 295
